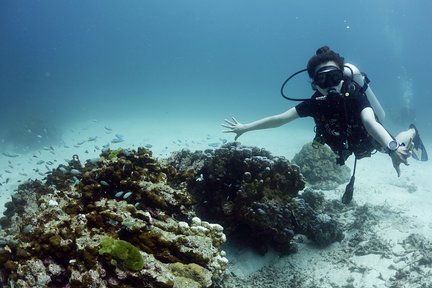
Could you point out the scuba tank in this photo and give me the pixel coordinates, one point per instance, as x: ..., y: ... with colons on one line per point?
x: 361, y: 79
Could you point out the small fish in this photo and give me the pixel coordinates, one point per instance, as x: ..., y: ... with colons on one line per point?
x: 127, y: 195
x: 118, y: 194
x: 108, y: 128
x: 80, y: 143
x: 104, y: 183
x: 40, y: 162
x: 93, y: 160
x: 63, y: 169
x: 119, y: 136
x: 117, y: 140
x: 11, y: 155
x: 75, y: 172
x: 75, y: 180
x: 90, y: 139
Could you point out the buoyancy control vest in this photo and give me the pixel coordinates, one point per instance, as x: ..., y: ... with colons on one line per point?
x: 338, y: 122
x: 339, y: 128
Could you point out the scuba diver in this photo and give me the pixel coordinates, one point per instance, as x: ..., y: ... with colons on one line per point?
x: 347, y: 116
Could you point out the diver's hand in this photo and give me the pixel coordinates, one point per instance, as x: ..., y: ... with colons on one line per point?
x: 401, y: 155
x: 234, y: 127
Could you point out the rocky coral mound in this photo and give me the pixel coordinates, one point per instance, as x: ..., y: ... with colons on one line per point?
x: 126, y: 219
x: 115, y: 222
x: 248, y: 189
x: 318, y: 166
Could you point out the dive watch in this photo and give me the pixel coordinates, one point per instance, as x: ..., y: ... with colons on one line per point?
x: 392, y: 146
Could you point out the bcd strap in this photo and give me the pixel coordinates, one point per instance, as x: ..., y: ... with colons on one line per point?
x: 365, y: 85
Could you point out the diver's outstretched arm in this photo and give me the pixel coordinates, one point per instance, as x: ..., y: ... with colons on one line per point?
x: 274, y: 121
x: 380, y: 134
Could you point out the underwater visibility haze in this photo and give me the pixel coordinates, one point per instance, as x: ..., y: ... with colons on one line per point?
x: 99, y: 98
x: 65, y: 61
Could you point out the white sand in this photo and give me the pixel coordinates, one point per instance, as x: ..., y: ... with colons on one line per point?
x: 398, y: 207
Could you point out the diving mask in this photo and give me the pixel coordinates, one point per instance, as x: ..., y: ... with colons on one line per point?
x: 328, y: 76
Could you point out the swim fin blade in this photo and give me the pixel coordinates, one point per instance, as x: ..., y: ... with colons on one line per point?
x: 419, y: 150
x: 349, y: 191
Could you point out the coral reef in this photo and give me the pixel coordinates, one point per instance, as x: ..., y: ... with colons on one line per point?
x: 248, y: 189
x: 318, y: 166
x: 55, y: 233
x: 127, y: 219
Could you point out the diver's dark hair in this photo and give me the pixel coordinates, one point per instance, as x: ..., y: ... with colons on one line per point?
x: 324, y: 54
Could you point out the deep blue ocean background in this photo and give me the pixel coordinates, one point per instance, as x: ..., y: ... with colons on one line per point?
x: 199, y: 60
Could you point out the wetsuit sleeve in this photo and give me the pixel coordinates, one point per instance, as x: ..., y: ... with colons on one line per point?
x: 363, y: 102
x: 305, y: 109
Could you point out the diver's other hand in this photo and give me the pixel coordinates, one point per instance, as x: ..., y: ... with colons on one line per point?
x: 401, y: 155
x: 234, y: 127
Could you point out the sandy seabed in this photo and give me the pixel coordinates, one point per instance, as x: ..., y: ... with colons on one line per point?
x: 388, y: 226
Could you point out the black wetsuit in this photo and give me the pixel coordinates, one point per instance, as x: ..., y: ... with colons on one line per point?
x: 338, y: 123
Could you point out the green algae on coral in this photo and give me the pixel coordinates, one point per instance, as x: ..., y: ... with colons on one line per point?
x: 122, y: 251
x: 114, y: 153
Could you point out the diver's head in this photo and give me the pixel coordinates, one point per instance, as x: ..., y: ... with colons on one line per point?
x: 322, y: 55
x: 325, y: 69
x: 328, y: 77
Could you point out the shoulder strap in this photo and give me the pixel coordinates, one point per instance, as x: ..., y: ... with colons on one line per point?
x: 366, y: 83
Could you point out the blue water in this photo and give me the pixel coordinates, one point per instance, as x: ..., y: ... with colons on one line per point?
x: 199, y: 60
